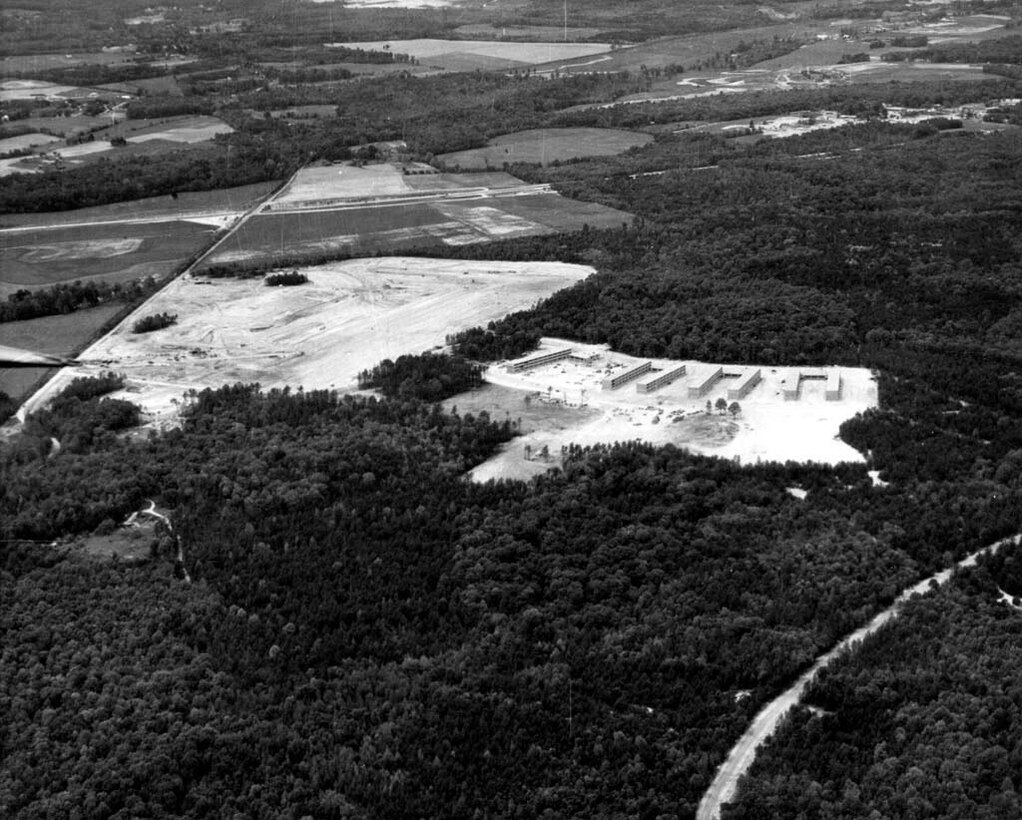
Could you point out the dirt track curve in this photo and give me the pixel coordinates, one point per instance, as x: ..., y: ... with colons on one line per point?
x: 739, y: 759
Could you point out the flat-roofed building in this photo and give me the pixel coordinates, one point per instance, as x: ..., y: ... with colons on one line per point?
x: 614, y: 382
x: 746, y: 382
x: 704, y: 382
x: 660, y: 380
x: 537, y: 361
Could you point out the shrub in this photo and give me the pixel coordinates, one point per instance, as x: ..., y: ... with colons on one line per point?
x: 156, y: 321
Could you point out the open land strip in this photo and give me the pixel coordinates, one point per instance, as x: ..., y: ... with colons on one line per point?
x: 57, y: 335
x: 320, y: 335
x: 545, y: 145
x: 111, y: 251
x: 390, y: 208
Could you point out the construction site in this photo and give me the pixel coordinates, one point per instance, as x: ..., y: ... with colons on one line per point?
x: 750, y: 413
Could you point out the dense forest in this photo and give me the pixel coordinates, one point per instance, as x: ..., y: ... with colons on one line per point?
x: 923, y: 720
x: 366, y: 634
x: 333, y: 622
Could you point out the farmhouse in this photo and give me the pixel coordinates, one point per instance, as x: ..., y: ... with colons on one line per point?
x: 614, y: 382
x: 537, y: 361
x: 665, y: 378
x: 704, y: 383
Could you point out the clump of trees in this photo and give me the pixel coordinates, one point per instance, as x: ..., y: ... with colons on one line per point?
x: 155, y: 321
x: 286, y: 278
x: 428, y: 376
x: 68, y: 297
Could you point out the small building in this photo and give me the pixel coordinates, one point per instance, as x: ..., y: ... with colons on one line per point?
x: 746, y: 382
x: 664, y: 378
x: 537, y: 361
x: 614, y: 382
x: 704, y: 383
x: 833, y: 390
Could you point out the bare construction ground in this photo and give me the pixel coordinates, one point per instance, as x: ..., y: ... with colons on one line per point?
x: 769, y: 426
x: 350, y: 316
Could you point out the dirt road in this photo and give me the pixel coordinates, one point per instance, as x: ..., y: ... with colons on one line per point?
x: 740, y: 758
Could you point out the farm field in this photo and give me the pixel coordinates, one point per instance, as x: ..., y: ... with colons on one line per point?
x: 553, y: 34
x: 145, y: 137
x: 60, y: 335
x: 24, y: 141
x: 768, y: 427
x: 361, y: 211
x: 220, y: 202
x: 362, y: 231
x: 70, y: 125
x: 547, y: 145
x: 45, y: 62
x: 350, y: 316
x: 113, y: 252
x: 461, y: 53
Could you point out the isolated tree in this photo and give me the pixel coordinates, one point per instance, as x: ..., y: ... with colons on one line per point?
x: 709, y: 407
x: 721, y: 405
x: 735, y: 408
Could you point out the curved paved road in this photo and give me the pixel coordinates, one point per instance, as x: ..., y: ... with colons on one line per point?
x: 740, y: 758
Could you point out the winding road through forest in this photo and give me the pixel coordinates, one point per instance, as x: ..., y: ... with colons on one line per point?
x: 739, y: 759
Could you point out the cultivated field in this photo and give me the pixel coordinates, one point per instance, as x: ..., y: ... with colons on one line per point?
x: 59, y: 335
x: 24, y: 141
x: 546, y: 145
x: 463, y: 55
x: 343, y: 209
x: 768, y: 427
x: 143, y: 137
x: 221, y: 203
x: 546, y: 34
x: 349, y: 317
x: 45, y: 62
x: 113, y: 252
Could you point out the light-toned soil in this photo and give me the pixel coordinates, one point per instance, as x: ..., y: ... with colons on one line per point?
x: 768, y: 427
x: 348, y: 318
x: 532, y: 53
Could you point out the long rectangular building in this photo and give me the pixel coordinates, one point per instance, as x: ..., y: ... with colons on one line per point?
x: 665, y: 378
x: 745, y: 383
x: 537, y: 361
x: 705, y: 382
x: 614, y: 382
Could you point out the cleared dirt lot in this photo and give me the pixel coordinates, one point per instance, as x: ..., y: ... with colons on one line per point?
x: 768, y: 428
x: 349, y: 317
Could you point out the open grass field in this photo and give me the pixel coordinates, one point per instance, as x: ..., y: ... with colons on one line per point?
x: 44, y: 62
x: 183, y: 205
x: 24, y: 141
x: 546, y: 145
x: 112, y: 252
x: 543, y: 34
x: 350, y: 316
x: 59, y: 335
x: 391, y: 228
x: 67, y: 125
x: 484, y: 52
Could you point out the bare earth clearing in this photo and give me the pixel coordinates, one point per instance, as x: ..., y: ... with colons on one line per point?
x: 768, y: 428
x: 349, y: 317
